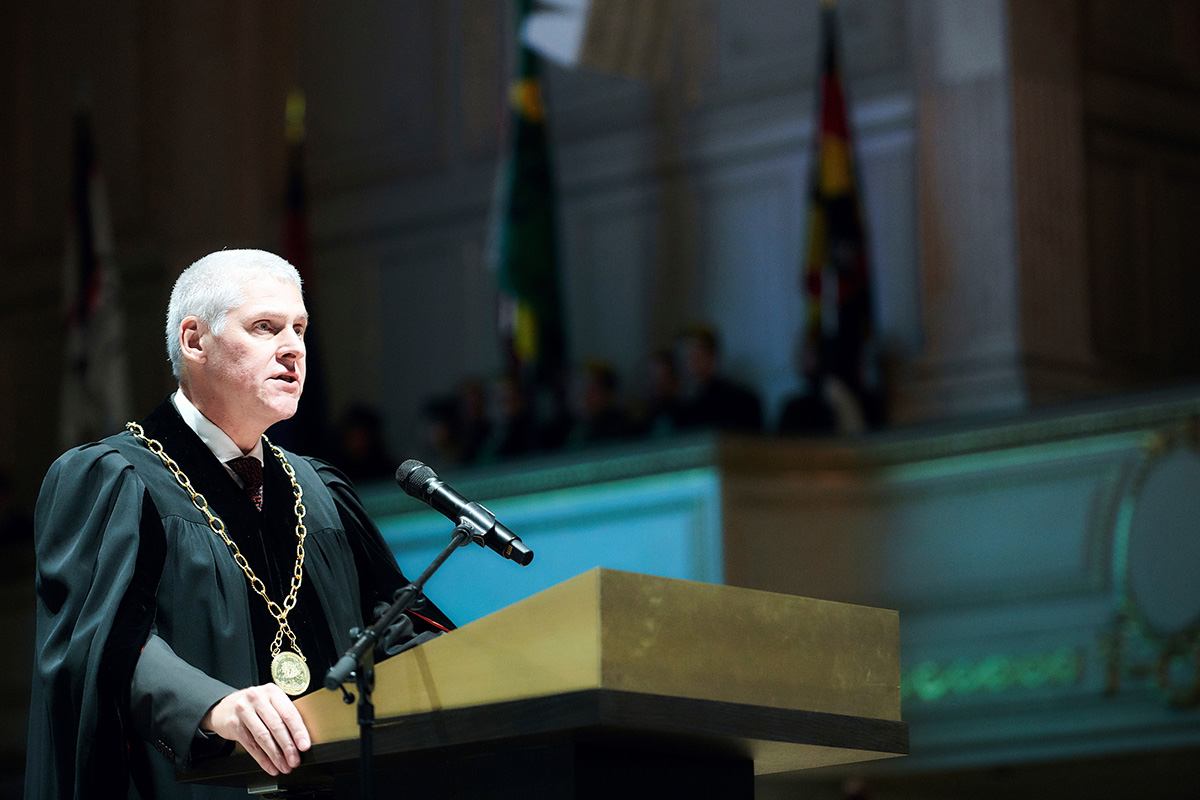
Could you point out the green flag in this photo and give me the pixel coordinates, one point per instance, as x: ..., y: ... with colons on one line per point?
x: 526, y: 245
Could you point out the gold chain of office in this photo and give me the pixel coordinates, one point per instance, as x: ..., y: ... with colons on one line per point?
x: 288, y: 669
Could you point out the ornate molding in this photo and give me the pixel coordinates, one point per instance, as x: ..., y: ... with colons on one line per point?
x: 1135, y: 648
x: 1002, y: 672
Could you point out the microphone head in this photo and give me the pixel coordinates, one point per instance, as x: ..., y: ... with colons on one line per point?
x: 413, y: 477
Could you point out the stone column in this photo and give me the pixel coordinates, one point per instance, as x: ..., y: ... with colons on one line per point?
x: 968, y: 252
x: 1051, y: 213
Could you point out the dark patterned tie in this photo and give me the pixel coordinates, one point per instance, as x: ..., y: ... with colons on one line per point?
x: 250, y: 470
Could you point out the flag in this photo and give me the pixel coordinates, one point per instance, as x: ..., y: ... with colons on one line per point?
x: 309, y: 430
x: 670, y: 43
x: 95, y: 386
x: 839, y: 331
x: 525, y: 245
x: 297, y: 245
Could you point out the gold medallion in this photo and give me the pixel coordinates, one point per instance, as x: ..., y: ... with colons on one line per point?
x: 289, y: 672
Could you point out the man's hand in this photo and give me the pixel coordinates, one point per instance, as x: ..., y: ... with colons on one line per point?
x: 263, y: 720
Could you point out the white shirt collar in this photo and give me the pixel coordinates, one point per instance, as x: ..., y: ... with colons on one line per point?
x: 213, y: 437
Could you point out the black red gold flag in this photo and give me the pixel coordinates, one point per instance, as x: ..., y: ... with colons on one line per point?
x: 839, y: 330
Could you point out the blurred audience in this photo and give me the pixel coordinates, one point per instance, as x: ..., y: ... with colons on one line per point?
x: 478, y: 426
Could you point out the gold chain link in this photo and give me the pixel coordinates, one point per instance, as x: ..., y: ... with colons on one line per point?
x: 279, y: 612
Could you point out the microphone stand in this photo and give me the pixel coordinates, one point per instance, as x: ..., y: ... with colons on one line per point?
x: 359, y: 660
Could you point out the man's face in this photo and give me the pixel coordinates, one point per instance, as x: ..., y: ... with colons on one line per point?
x: 255, y: 370
x: 701, y: 361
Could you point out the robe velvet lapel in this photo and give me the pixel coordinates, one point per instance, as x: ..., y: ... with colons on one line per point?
x: 208, y: 476
x: 257, y: 533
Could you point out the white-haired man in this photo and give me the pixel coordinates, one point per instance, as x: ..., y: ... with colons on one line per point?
x: 192, y: 576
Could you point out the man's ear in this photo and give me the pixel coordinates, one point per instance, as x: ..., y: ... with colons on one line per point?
x: 191, y: 339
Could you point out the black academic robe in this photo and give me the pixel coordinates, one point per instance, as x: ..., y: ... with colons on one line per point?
x: 144, y: 620
x: 723, y: 404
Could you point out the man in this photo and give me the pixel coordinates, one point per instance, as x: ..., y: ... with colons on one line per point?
x: 190, y: 575
x: 603, y: 419
x: 716, y: 401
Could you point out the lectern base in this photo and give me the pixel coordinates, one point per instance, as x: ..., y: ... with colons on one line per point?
x: 590, y: 769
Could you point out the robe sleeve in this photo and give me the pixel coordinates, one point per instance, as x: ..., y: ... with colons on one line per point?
x: 168, y: 698
x: 379, y: 575
x: 99, y: 559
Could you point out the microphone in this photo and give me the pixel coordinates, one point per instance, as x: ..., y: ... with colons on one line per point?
x: 419, y: 481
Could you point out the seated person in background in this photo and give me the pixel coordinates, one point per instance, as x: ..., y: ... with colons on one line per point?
x: 811, y: 411
x: 441, y: 438
x: 16, y: 526
x: 554, y: 412
x: 657, y: 414
x: 516, y: 433
x: 715, y: 401
x: 191, y: 576
x: 603, y: 418
x: 362, y: 450
x: 473, y: 424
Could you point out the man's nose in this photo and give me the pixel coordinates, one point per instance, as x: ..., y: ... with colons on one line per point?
x: 291, y: 344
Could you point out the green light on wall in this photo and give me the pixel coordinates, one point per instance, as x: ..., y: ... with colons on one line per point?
x: 930, y: 681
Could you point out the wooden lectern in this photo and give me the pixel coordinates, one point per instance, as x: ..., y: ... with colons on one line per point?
x: 614, y: 684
